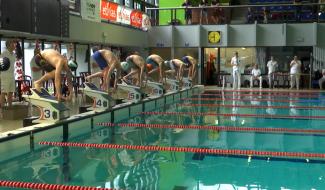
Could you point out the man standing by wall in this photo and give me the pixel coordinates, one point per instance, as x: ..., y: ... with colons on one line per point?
x: 295, y: 66
x: 235, y: 63
x: 7, y: 77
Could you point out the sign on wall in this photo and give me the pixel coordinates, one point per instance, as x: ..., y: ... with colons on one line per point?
x: 114, y: 12
x: 108, y: 11
x: 90, y: 10
x: 214, y: 37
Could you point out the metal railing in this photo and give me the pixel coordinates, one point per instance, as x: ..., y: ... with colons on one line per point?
x: 239, y: 14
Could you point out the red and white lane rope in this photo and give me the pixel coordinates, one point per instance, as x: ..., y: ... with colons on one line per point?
x: 253, y: 106
x: 218, y: 128
x: 264, y: 90
x: 192, y: 150
x: 239, y: 99
x: 262, y: 95
x: 26, y: 185
x: 236, y: 115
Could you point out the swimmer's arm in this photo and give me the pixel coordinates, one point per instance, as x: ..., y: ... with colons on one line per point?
x: 70, y: 84
x: 180, y: 72
x: 141, y: 76
x: 193, y: 72
x: 109, y: 73
x: 117, y: 77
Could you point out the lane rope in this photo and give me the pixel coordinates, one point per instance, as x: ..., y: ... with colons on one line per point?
x: 217, y: 128
x: 234, y: 152
x: 263, y: 95
x: 253, y: 106
x: 264, y: 90
x: 43, y: 186
x: 245, y: 100
x: 236, y: 115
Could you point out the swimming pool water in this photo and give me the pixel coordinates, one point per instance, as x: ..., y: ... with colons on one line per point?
x: 137, y: 169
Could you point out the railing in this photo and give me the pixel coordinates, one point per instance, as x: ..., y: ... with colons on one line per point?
x: 239, y: 14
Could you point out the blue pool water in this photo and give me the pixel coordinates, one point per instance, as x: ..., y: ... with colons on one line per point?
x: 137, y: 169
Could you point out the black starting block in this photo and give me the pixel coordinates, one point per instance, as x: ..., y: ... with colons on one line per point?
x: 51, y: 110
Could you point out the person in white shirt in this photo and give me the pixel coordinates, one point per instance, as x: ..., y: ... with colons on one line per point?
x: 235, y: 63
x: 256, y: 74
x: 7, y: 77
x: 295, y: 72
x: 271, y: 65
x: 322, y: 80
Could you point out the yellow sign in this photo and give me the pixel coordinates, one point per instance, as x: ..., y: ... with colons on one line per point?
x: 214, y: 37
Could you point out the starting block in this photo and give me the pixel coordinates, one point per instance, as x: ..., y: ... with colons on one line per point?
x: 101, y: 100
x: 187, y: 83
x: 173, y: 85
x: 134, y: 92
x: 157, y: 88
x: 51, y: 110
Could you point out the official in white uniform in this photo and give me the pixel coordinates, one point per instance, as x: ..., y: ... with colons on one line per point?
x: 295, y: 66
x: 235, y: 63
x: 271, y: 65
x: 256, y: 74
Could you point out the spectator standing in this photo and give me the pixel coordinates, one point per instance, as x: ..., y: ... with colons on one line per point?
x: 204, y: 11
x: 216, y: 12
x: 188, y: 12
x: 7, y: 77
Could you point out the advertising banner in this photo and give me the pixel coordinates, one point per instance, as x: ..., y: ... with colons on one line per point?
x: 109, y: 11
x: 114, y: 12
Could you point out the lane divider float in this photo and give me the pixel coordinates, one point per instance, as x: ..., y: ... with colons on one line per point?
x: 218, y: 128
x: 236, y: 115
x: 246, y: 100
x: 234, y: 152
x: 254, y: 95
x: 254, y: 106
x: 43, y: 186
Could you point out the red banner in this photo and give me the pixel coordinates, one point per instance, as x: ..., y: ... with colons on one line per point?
x: 108, y: 11
x: 121, y: 14
x: 136, y: 19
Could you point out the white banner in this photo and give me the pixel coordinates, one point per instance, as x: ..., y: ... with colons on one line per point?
x: 124, y: 15
x: 90, y: 10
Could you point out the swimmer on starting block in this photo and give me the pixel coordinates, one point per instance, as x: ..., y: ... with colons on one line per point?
x: 108, y: 62
x: 190, y: 64
x: 156, y: 64
x: 176, y: 67
x: 134, y: 65
x: 53, y: 63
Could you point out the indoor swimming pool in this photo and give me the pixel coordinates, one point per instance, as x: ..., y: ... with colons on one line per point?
x: 258, y: 140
